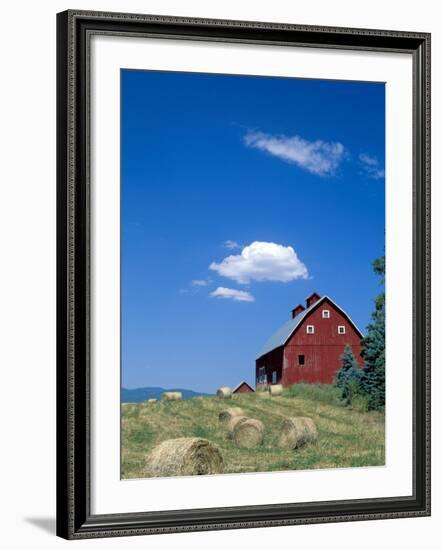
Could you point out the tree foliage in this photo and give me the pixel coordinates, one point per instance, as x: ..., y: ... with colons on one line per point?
x: 348, y: 376
x: 372, y: 379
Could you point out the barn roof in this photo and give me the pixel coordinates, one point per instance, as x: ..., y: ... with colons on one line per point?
x: 280, y: 337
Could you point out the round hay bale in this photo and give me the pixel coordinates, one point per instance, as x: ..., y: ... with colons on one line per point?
x: 152, y: 400
x: 172, y: 395
x: 184, y: 456
x: 249, y: 434
x: 227, y: 415
x: 297, y: 431
x: 224, y: 393
x: 233, y: 422
x: 276, y: 389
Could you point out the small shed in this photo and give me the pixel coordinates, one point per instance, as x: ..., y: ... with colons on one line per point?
x: 243, y: 387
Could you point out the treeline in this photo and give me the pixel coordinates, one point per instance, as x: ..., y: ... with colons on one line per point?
x: 366, y: 386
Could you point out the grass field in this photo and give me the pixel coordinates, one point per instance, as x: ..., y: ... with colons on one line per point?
x: 347, y: 437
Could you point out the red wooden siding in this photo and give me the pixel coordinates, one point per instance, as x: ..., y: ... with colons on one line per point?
x: 272, y: 362
x: 243, y: 388
x: 321, y: 351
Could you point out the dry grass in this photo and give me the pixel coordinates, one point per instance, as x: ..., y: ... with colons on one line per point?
x: 346, y: 437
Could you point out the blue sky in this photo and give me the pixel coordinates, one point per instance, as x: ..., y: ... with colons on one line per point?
x: 241, y: 195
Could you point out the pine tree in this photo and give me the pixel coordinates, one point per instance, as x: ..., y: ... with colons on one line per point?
x: 372, y: 382
x: 347, y: 378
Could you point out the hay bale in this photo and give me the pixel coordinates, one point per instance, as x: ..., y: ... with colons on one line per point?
x: 233, y: 422
x: 248, y: 434
x: 224, y: 393
x: 184, y: 456
x: 172, y: 395
x: 227, y: 415
x: 276, y: 389
x: 152, y: 400
x: 297, y: 431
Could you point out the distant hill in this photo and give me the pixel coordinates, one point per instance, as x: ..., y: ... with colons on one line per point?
x: 138, y: 395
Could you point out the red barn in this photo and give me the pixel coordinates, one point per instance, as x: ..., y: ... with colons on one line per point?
x: 308, y: 348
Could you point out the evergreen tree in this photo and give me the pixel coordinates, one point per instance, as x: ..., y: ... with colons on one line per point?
x: 372, y: 382
x: 348, y: 376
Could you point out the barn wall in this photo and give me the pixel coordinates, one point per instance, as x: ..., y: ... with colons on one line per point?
x: 322, y: 350
x: 271, y: 361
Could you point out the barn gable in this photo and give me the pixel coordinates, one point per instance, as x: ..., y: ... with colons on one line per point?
x: 243, y: 387
x: 284, y: 333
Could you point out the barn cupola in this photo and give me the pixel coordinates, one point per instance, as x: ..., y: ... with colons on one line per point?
x: 297, y: 310
x: 312, y: 299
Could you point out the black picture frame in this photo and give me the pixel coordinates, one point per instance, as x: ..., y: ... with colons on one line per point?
x: 74, y: 518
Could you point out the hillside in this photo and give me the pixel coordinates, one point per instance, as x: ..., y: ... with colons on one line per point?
x: 347, y: 437
x: 138, y: 395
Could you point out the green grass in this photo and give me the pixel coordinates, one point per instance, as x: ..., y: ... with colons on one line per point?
x: 322, y: 393
x: 348, y: 437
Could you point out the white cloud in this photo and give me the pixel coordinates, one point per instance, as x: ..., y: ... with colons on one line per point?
x: 232, y: 294
x: 371, y: 166
x: 231, y: 245
x: 321, y: 158
x: 262, y: 261
x: 201, y: 282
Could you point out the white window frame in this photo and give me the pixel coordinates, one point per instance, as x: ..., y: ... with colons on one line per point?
x: 326, y: 314
x: 310, y: 329
x: 341, y: 329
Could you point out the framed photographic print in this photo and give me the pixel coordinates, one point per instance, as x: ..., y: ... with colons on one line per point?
x: 243, y: 274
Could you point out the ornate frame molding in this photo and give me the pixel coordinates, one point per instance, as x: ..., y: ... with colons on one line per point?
x: 74, y: 29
